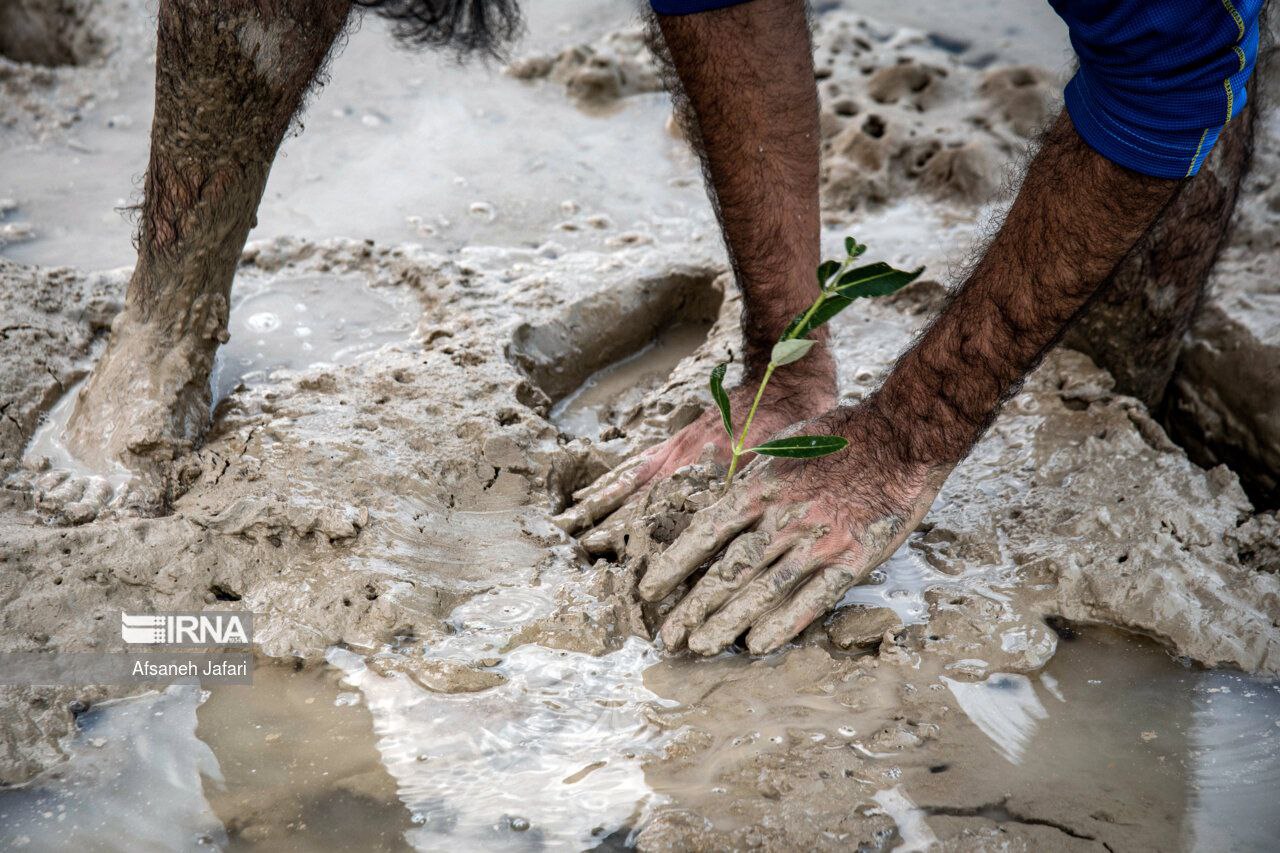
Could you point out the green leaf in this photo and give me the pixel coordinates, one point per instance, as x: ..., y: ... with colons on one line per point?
x: 802, y: 446
x: 833, y: 305
x: 849, y: 245
x: 877, y: 279
x: 826, y: 269
x: 787, y: 351
x: 722, y: 399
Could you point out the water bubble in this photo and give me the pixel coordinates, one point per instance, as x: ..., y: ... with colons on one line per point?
x: 519, y: 824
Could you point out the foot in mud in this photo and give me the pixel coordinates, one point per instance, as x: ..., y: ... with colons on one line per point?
x: 113, y: 445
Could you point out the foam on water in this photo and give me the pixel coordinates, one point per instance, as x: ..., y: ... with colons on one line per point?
x: 550, y: 758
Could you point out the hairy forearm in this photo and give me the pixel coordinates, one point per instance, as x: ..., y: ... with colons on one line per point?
x: 747, y: 98
x: 1075, y: 218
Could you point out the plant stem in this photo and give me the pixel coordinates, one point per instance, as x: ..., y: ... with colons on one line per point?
x: 740, y: 444
x: 822, y: 297
x: 751, y: 413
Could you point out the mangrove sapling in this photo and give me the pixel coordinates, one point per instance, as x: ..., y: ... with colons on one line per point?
x: 841, y: 283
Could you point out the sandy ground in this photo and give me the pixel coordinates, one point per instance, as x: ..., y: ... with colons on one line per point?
x: 381, y: 500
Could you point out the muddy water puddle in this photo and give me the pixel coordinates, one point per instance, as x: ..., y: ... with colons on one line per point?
x: 609, y: 394
x: 298, y: 322
x: 1113, y: 740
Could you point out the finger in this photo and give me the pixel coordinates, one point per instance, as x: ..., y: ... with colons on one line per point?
x: 706, y: 534
x: 745, y: 558
x: 610, y: 491
x: 878, y: 542
x: 50, y: 480
x: 606, y: 537
x: 760, y: 596
x: 816, y: 597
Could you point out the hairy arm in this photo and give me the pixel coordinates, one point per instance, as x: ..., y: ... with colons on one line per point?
x: 747, y: 100
x: 742, y: 80
x: 1075, y: 218
x: 819, y: 527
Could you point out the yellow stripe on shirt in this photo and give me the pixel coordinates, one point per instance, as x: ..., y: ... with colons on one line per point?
x: 1235, y: 16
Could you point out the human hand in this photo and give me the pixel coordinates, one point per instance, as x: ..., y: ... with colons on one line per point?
x: 799, y: 534
x: 787, y: 400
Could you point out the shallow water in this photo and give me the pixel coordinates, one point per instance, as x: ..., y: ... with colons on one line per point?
x: 49, y: 442
x: 295, y: 322
x: 321, y: 759
x: 1114, y: 718
x: 606, y: 396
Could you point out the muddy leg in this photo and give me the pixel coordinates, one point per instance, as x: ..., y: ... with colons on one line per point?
x: 1135, y: 327
x: 230, y: 75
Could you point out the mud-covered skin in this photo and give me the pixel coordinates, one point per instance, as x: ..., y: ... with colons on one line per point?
x: 1224, y: 402
x: 809, y: 544
x: 229, y: 80
x: 1135, y: 327
x: 787, y: 400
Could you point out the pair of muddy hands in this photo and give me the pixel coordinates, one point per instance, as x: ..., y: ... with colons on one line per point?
x: 787, y: 539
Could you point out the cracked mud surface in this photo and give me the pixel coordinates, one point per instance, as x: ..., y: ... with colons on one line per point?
x: 389, y: 515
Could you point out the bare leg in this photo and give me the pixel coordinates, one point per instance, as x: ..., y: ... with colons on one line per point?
x: 1134, y: 329
x: 230, y: 75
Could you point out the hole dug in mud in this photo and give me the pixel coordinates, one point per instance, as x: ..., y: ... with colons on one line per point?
x: 597, y: 362
x: 48, y: 32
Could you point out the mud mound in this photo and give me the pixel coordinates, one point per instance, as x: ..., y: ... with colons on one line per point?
x: 599, y: 74
x: 901, y: 116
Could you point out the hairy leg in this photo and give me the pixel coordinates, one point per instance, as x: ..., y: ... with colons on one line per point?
x: 230, y: 75
x: 1134, y: 328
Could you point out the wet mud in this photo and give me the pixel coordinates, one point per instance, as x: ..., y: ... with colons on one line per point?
x: 378, y: 490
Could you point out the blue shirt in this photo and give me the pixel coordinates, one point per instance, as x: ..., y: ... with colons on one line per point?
x: 1158, y: 79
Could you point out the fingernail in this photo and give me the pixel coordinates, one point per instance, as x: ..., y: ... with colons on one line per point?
x: 567, y: 520
x: 704, y: 645
x: 598, y: 541
x: 673, y: 635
